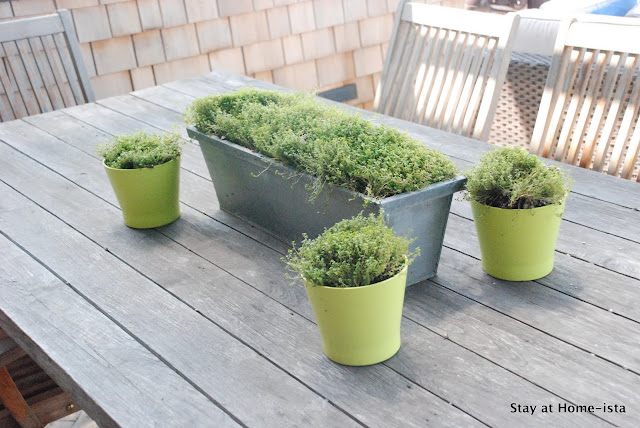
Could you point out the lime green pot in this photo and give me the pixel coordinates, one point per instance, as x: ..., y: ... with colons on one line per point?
x: 517, y: 245
x: 359, y: 325
x: 148, y: 197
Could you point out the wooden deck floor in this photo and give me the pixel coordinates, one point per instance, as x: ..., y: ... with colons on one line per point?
x: 206, y: 329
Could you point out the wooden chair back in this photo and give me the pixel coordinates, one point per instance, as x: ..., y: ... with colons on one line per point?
x: 444, y: 67
x: 41, y: 66
x: 590, y: 106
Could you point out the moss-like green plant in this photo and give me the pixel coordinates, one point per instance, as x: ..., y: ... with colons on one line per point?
x: 512, y: 178
x: 353, y: 253
x: 335, y: 146
x: 140, y: 150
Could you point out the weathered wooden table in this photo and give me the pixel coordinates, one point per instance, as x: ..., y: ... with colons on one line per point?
x: 194, y: 324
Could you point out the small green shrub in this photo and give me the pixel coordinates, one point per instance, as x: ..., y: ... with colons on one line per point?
x: 512, y: 178
x: 140, y: 150
x: 335, y: 146
x: 353, y: 253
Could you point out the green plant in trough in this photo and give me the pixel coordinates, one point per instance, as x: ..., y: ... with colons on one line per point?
x: 329, y: 143
x: 514, y: 179
x: 353, y: 253
x: 140, y: 150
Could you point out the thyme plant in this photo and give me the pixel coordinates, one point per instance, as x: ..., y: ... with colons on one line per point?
x: 329, y: 143
x: 514, y: 179
x: 140, y: 150
x: 353, y: 253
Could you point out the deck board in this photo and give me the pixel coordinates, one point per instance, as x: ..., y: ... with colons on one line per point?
x: 195, y: 238
x: 93, y: 347
x: 172, y: 269
x: 472, y: 345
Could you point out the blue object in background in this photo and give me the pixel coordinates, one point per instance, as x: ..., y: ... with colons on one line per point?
x: 614, y: 7
x: 598, y: 7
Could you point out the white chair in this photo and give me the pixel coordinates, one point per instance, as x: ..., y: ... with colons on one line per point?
x: 590, y: 105
x: 41, y: 66
x: 445, y: 67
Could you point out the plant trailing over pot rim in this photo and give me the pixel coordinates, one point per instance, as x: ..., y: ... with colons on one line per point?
x: 517, y: 204
x: 253, y: 140
x: 144, y: 171
x: 355, y: 276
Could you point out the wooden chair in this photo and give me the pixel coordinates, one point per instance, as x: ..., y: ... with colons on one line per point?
x: 28, y: 396
x: 444, y: 67
x: 589, y: 110
x: 41, y: 67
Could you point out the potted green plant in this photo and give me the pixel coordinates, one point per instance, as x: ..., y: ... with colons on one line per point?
x: 517, y: 203
x: 355, y: 275
x: 292, y: 165
x: 144, y: 171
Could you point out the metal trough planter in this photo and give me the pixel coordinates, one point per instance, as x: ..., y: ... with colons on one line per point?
x: 256, y: 189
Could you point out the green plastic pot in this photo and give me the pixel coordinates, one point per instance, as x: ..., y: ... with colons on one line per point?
x: 359, y: 326
x: 517, y: 245
x: 148, y: 197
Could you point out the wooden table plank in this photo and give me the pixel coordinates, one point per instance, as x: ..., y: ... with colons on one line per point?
x: 587, y: 282
x: 194, y: 242
x: 180, y: 280
x: 219, y: 365
x: 498, y: 335
x: 577, y: 376
x: 597, y: 331
x: 91, y: 357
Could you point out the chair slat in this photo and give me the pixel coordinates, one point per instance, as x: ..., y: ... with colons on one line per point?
x: 438, y: 42
x: 443, y: 65
x: 610, y: 104
x: 458, y: 83
x: 595, y: 116
x: 576, y: 56
x: 458, y: 47
x: 423, y: 57
x: 479, y: 87
x: 67, y: 65
x: 632, y: 154
x: 20, y: 75
x: 405, y: 81
x: 46, y: 73
x: 58, y: 71
x: 628, y: 119
x: 592, y: 79
x: 33, y: 74
x: 470, y: 81
x: 562, y: 87
x: 15, y: 107
x: 390, y: 71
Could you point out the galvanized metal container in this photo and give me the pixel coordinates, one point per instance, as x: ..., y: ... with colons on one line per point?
x: 274, y: 197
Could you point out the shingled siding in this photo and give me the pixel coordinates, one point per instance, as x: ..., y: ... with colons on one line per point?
x: 313, y: 44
